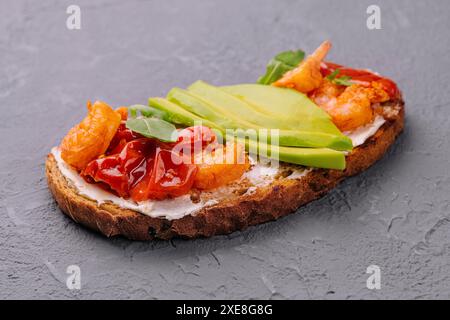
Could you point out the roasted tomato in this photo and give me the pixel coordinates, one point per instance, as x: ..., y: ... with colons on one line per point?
x: 172, y: 169
x: 120, y: 139
x: 166, y: 177
x: 122, y: 171
x: 91, y: 137
x: 142, y: 171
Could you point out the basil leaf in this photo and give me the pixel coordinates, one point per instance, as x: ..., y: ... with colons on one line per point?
x: 146, y: 111
x: 342, y: 81
x: 290, y: 58
x: 153, y: 128
x: 333, y: 75
x: 280, y: 64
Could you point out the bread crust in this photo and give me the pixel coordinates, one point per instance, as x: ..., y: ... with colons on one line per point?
x: 281, y: 197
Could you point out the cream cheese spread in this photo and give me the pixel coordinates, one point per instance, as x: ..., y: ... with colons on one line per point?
x: 360, y: 135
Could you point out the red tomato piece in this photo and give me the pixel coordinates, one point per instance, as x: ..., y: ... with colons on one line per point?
x: 142, y: 168
x: 123, y: 170
x: 169, y: 177
x: 120, y: 139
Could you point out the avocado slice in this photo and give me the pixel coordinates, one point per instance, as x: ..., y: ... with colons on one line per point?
x: 230, y: 104
x: 293, y: 138
x: 194, y: 104
x: 178, y: 115
x: 311, y: 157
x: 286, y: 105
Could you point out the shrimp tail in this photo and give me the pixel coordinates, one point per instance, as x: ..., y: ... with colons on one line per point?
x: 307, y: 76
x: 321, y: 52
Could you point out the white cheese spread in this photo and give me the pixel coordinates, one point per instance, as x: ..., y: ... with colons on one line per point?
x: 360, y: 135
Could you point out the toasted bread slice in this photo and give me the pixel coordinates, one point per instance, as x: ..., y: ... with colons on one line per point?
x: 269, y: 202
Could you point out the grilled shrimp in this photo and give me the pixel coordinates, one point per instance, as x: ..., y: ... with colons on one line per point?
x: 307, y: 76
x: 91, y: 137
x: 349, y: 107
x: 221, y: 167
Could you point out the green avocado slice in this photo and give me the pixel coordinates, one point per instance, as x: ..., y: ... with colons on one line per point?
x: 178, y: 115
x: 313, y: 157
x: 230, y: 104
x: 194, y: 104
x: 310, y: 157
x: 285, y: 104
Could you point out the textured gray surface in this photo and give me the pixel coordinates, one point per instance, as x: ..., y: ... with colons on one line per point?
x: 395, y: 215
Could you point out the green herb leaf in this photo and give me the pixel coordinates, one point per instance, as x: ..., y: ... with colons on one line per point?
x: 333, y: 75
x: 342, y: 81
x: 280, y: 64
x: 153, y: 128
x: 146, y: 111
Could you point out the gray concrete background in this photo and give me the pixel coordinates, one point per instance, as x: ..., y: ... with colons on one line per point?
x: 395, y: 215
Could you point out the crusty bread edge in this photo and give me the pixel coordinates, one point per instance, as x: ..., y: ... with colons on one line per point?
x: 281, y: 197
